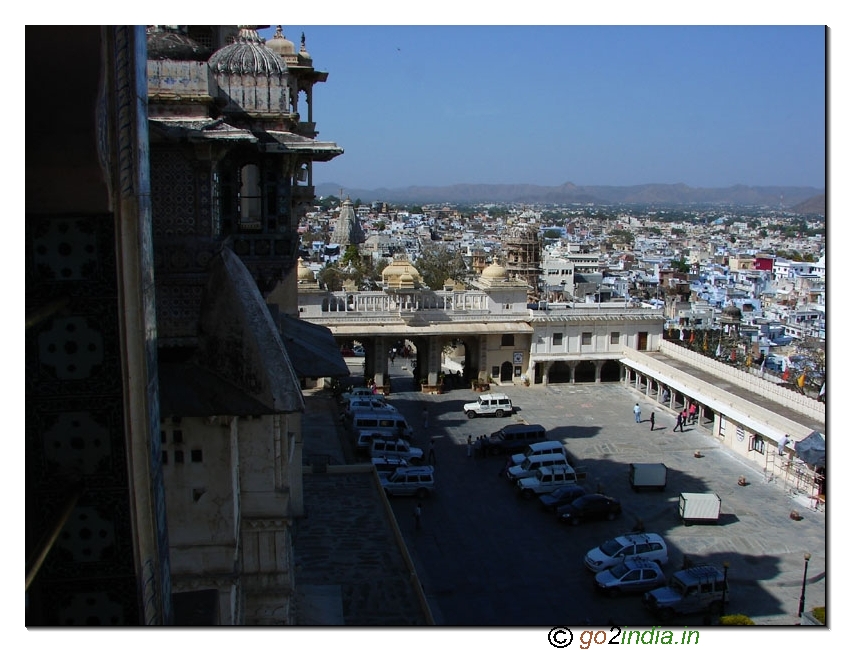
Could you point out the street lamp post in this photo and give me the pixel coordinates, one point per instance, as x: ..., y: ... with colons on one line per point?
x: 807, y: 557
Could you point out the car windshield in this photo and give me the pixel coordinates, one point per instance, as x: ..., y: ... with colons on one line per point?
x: 619, y: 570
x: 611, y: 547
x: 561, y: 492
x: 677, y: 586
x: 526, y: 463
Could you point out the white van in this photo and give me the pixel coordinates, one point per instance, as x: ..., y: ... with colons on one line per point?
x: 530, y: 466
x: 537, y: 448
x: 364, y: 425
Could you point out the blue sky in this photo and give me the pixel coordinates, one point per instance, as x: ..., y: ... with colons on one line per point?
x: 708, y: 106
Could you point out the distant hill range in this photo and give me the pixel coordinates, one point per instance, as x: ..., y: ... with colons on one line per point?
x: 569, y: 193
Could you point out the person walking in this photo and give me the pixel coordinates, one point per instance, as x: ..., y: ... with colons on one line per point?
x: 424, y: 417
x: 692, y: 413
x: 432, y: 457
x: 652, y: 421
x: 417, y: 516
x: 469, y: 446
x: 636, y: 409
x: 679, y: 423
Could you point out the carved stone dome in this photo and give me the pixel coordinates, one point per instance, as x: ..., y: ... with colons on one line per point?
x: 248, y: 55
x: 401, y: 273
x: 165, y: 43
x: 280, y: 44
x: 495, y: 272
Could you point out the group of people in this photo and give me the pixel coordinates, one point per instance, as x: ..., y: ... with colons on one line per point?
x: 688, y: 415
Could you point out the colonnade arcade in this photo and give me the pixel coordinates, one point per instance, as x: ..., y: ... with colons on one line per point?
x: 663, y: 394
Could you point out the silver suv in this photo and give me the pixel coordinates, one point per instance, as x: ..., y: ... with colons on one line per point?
x: 650, y: 546
x: 395, y: 448
x: 410, y: 481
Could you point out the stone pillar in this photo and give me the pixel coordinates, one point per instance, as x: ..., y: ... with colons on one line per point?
x: 378, y: 351
x: 572, y: 366
x: 597, y: 371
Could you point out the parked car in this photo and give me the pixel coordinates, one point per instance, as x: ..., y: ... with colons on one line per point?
x: 546, y: 479
x: 367, y: 404
x: 399, y: 448
x: 497, y: 404
x: 696, y: 589
x: 649, y: 546
x: 590, y: 506
x: 358, y: 391
x: 386, y: 465
x: 537, y: 448
x: 514, y: 438
x: 561, y: 497
x: 410, y: 481
x: 632, y: 575
x: 530, y: 466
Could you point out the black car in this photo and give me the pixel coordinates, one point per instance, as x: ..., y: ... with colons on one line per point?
x: 561, y: 497
x: 590, y: 506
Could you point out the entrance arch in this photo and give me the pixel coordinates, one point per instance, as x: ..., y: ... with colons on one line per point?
x: 610, y: 371
x: 506, y: 372
x: 585, y: 372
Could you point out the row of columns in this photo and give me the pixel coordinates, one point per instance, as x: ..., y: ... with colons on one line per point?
x: 657, y: 391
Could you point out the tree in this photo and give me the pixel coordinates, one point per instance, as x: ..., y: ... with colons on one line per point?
x: 811, y: 363
x: 436, y: 264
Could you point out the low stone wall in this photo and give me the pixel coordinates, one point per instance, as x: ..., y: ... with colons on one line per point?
x: 752, y: 382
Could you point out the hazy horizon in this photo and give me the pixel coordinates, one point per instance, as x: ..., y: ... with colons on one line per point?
x: 704, y: 106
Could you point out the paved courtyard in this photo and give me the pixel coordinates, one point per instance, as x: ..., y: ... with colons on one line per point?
x: 486, y: 557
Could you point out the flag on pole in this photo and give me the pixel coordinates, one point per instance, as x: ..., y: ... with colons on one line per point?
x: 749, y: 360
x: 693, y: 336
x: 734, y: 355
x: 717, y: 352
x: 763, y: 361
x: 786, y: 374
x: 681, y: 335
x: 822, y: 390
x: 801, y: 380
x: 705, y: 342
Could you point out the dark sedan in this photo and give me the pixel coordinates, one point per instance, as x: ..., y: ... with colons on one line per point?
x: 561, y: 497
x: 590, y: 506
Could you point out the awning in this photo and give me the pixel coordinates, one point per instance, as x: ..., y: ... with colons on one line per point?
x: 312, y: 349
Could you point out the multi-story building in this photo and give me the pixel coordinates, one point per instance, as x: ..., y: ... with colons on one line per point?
x: 165, y: 363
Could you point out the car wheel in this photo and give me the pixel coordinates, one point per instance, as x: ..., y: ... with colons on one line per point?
x: 500, y: 413
x: 421, y: 493
x: 470, y: 414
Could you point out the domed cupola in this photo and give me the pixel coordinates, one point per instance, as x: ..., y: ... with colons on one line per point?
x: 283, y: 47
x: 495, y: 272
x: 247, y: 56
x: 252, y: 79
x: 303, y: 54
x: 165, y: 42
